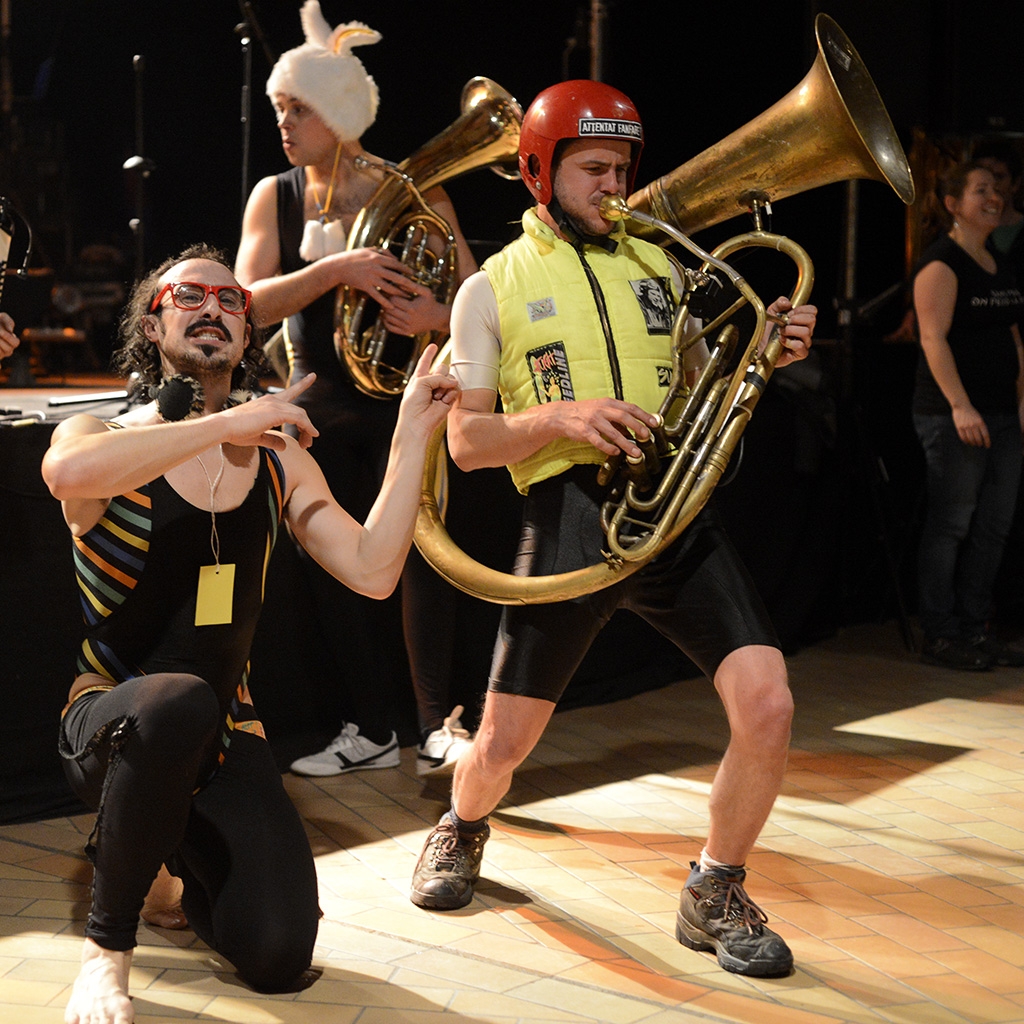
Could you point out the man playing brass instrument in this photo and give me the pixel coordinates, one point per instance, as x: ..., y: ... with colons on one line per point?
x: 562, y: 324
x: 293, y: 257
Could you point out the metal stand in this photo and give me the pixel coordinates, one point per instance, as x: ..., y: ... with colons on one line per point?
x: 141, y: 168
x: 870, y: 471
x: 245, y: 30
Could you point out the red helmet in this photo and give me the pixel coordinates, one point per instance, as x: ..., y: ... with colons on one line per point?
x: 574, y: 110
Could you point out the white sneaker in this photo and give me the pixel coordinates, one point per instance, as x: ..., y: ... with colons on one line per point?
x: 349, y: 752
x: 441, y: 749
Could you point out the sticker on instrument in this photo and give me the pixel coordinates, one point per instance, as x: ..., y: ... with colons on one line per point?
x: 655, y: 298
x: 215, y: 595
x: 541, y: 309
x: 549, y: 371
x: 615, y: 127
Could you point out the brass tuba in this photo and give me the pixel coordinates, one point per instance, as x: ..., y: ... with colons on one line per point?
x: 831, y: 127
x: 398, y: 219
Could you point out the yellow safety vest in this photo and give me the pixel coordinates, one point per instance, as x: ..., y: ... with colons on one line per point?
x: 576, y: 327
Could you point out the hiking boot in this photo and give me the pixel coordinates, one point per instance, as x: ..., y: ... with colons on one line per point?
x: 996, y: 651
x: 448, y: 866
x: 715, y: 913
x: 441, y: 749
x: 349, y: 752
x: 952, y: 653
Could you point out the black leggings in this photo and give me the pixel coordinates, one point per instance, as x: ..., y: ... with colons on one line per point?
x: 137, y: 754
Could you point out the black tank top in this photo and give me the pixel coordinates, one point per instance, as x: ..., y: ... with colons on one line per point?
x: 979, y: 336
x: 138, y: 572
x: 311, y: 331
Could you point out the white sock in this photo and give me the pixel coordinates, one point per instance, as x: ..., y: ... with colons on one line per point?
x: 706, y: 863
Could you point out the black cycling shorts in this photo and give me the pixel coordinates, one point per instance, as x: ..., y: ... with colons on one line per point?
x: 698, y: 593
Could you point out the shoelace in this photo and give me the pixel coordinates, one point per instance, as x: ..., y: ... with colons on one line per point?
x: 446, y: 844
x: 735, y: 904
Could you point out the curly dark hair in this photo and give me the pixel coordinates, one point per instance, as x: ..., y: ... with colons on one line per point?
x: 138, y: 358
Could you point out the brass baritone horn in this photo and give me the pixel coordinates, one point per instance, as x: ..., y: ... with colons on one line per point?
x: 398, y: 219
x: 831, y: 127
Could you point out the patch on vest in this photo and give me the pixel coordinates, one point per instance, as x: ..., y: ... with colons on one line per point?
x: 549, y: 371
x: 664, y: 376
x: 655, y: 299
x: 541, y: 309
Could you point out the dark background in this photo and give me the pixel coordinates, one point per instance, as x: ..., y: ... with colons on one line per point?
x: 696, y: 72
x: 827, y: 500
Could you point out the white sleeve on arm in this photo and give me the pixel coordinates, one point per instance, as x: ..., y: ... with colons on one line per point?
x: 476, y: 334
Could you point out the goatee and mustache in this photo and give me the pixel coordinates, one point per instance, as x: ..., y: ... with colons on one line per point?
x: 190, y: 359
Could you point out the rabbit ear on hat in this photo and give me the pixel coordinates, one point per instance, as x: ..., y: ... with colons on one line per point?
x: 339, y: 40
x: 326, y: 75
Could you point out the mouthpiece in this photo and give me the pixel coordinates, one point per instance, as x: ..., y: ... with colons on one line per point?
x: 614, y: 208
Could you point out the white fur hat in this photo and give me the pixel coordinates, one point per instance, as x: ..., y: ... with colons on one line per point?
x: 324, y: 73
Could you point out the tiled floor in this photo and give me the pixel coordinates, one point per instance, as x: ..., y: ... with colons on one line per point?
x: 893, y: 864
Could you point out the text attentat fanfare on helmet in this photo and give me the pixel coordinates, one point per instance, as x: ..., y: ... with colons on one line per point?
x: 577, y: 109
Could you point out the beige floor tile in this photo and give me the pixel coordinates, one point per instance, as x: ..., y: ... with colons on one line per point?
x: 15, y: 991
x: 746, y: 1010
x: 603, y: 1004
x: 1003, y: 944
x: 606, y: 916
x: 839, y: 898
x: 930, y: 910
x: 817, y: 920
x: 957, y: 891
x: 921, y: 1013
x: 529, y: 955
x: 889, y: 955
x: 626, y: 978
x: 891, y: 864
x: 983, y: 969
x: 911, y: 933
x: 868, y: 986
x: 974, y: 1001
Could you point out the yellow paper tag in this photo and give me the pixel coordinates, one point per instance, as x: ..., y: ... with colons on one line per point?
x: 215, y: 596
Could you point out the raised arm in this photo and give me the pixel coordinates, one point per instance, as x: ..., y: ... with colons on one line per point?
x: 88, y: 462
x: 369, y: 557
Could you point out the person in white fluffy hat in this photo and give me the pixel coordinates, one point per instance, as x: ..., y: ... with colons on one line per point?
x: 292, y: 256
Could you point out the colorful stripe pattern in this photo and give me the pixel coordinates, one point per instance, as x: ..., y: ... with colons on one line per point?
x: 109, y: 562
x: 111, y: 559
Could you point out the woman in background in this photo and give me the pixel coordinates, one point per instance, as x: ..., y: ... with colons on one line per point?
x: 967, y: 413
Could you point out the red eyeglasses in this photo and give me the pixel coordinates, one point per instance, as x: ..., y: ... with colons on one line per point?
x: 231, y: 298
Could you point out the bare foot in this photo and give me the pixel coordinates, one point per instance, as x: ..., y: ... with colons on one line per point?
x: 100, y: 992
x: 163, y: 902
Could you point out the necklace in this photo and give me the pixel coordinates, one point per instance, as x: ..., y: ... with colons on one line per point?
x: 325, y: 209
x: 213, y: 485
x: 979, y: 254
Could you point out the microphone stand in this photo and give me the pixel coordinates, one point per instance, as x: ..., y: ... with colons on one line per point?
x: 242, y: 30
x: 142, y: 169
x: 245, y: 30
